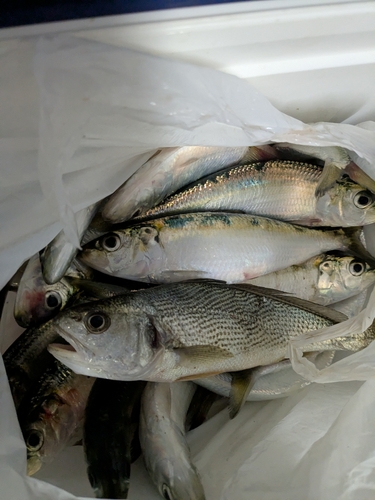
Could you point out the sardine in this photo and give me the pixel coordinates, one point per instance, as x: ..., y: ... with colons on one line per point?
x: 36, y: 301
x: 336, y: 160
x: 324, y: 279
x: 274, y: 381
x: 50, y: 418
x: 283, y: 190
x: 110, y: 435
x: 229, y: 247
x: 59, y: 254
x: 170, y: 169
x: 162, y: 435
x: 189, y: 330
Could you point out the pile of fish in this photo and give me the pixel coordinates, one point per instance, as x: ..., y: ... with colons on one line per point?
x: 193, y: 278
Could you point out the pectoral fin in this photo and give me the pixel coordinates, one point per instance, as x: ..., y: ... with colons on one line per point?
x: 242, y: 382
x: 330, y: 175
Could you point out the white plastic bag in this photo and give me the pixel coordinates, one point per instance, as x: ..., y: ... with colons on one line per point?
x: 96, y: 113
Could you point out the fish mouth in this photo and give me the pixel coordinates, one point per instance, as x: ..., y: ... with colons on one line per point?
x: 67, y: 355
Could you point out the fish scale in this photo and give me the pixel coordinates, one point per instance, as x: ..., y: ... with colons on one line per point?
x: 185, y: 330
x: 259, y: 188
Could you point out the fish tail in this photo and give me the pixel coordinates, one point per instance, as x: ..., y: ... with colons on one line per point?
x: 353, y: 243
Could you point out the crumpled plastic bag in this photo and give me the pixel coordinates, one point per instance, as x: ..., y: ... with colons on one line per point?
x: 83, y: 117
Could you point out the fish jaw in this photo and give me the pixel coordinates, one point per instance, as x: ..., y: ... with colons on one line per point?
x: 33, y: 465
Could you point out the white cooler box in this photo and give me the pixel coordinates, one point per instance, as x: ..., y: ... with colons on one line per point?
x: 68, y: 139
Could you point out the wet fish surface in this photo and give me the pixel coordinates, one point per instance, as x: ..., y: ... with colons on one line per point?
x: 274, y: 381
x: 163, y: 440
x: 59, y: 254
x: 189, y: 330
x: 110, y: 435
x: 36, y: 300
x: 283, y: 190
x: 324, y: 279
x: 52, y: 414
x: 170, y: 169
x: 223, y: 246
x: 27, y: 358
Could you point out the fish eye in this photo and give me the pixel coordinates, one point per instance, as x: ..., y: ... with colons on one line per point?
x: 363, y: 199
x: 166, y: 492
x: 356, y: 268
x: 53, y: 300
x: 111, y: 242
x: 34, y: 440
x: 97, y: 322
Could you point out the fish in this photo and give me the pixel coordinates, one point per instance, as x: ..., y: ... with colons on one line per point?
x: 26, y: 359
x: 170, y: 169
x: 337, y: 164
x: 110, y: 435
x: 37, y: 301
x: 324, y: 279
x: 187, y: 330
x: 222, y: 246
x: 60, y: 252
x: 279, y: 189
x: 50, y: 417
x: 163, y: 440
x: 352, y: 305
x: 274, y: 381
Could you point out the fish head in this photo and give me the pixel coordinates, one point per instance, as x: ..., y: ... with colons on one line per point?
x: 36, y: 301
x: 47, y: 431
x: 131, y: 250
x: 347, y: 204
x: 178, y: 480
x: 105, y: 343
x: 344, y: 276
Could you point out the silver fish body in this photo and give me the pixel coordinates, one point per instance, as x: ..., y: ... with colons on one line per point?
x: 163, y: 440
x: 283, y: 190
x: 59, y: 254
x: 229, y: 247
x: 170, y: 169
x: 278, y: 380
x: 352, y: 305
x: 189, y: 330
x: 324, y: 279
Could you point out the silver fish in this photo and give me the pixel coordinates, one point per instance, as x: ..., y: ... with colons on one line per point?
x: 324, y: 279
x: 170, y: 169
x: 337, y: 163
x: 352, y: 305
x: 59, y: 254
x: 274, y: 381
x: 190, y: 330
x: 162, y: 435
x: 36, y: 301
x: 283, y: 190
x: 229, y: 247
